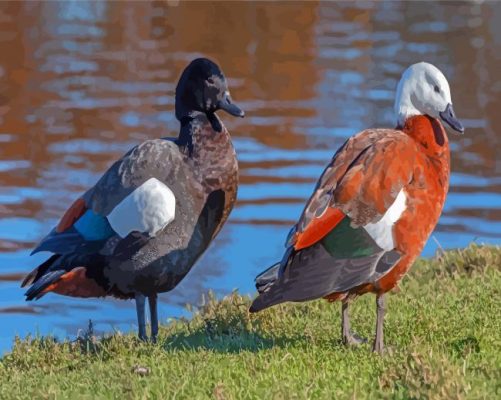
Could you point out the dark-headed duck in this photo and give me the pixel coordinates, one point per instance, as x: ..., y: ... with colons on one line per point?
x: 144, y: 224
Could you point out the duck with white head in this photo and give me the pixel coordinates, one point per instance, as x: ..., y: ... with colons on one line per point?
x: 424, y: 90
x: 373, y: 208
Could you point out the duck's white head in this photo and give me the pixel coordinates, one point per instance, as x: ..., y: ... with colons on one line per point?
x: 424, y: 90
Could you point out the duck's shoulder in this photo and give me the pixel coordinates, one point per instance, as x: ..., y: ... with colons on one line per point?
x: 152, y: 150
x: 379, y: 137
x: 365, y: 147
x: 151, y: 158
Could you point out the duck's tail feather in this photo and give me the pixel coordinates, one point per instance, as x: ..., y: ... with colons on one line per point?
x: 37, y: 290
x: 40, y: 270
x: 265, y: 282
x: 267, y: 299
x: 267, y: 278
x: 71, y: 275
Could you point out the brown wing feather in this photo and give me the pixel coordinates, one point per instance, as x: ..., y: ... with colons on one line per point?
x: 362, y: 181
x: 371, y: 186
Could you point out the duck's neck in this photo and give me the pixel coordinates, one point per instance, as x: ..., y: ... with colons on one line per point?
x: 197, y: 129
x: 192, y: 125
x: 186, y: 133
x: 429, y: 133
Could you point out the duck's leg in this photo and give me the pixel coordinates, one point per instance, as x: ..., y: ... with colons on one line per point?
x: 141, y: 322
x: 380, y: 307
x: 152, y: 300
x: 349, y: 338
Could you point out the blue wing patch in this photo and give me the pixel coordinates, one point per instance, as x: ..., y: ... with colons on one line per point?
x: 85, y: 236
x: 93, y: 226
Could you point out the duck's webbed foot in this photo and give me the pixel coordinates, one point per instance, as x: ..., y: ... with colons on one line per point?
x: 352, y: 339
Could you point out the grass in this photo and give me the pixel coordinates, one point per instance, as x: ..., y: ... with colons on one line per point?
x: 442, y: 329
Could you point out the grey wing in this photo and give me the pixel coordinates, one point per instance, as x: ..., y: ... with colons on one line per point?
x: 315, y: 273
x: 91, y: 231
x: 161, y: 160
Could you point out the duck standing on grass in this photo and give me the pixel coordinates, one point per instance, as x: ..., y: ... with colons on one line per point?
x: 373, y: 208
x: 144, y: 224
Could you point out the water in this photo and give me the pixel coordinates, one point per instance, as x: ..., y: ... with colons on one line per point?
x: 82, y: 82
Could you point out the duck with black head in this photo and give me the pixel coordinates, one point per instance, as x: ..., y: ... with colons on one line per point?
x: 140, y: 229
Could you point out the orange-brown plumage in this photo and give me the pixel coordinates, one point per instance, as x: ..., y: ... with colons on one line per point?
x: 426, y: 191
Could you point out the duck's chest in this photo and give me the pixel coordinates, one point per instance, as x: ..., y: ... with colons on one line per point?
x: 215, y: 166
x: 425, y: 198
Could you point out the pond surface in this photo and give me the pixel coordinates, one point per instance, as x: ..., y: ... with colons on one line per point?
x: 81, y: 83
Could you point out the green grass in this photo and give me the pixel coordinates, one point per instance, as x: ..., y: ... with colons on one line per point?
x: 443, y: 331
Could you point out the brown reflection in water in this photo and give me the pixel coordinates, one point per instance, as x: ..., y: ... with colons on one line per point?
x: 101, y: 76
x: 19, y: 310
x: 12, y: 277
x: 269, y: 49
x: 75, y: 79
x: 251, y: 179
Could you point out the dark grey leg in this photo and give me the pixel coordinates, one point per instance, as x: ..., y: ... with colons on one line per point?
x: 349, y: 338
x: 378, y: 341
x: 345, y: 323
x: 141, y: 323
x: 154, y: 317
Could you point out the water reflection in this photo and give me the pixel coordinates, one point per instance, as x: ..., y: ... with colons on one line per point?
x: 82, y: 82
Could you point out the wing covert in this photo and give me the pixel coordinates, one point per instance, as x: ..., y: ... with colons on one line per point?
x: 362, y: 181
x: 136, y: 194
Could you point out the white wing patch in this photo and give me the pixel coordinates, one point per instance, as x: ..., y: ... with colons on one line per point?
x: 149, y: 208
x: 382, y: 231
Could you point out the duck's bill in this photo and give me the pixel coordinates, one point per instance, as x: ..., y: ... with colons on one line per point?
x: 450, y: 118
x: 227, y: 105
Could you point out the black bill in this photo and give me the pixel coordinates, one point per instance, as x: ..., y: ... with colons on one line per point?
x: 451, y: 119
x: 226, y: 104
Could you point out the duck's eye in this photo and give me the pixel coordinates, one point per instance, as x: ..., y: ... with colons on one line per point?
x: 210, y: 80
x: 437, y: 89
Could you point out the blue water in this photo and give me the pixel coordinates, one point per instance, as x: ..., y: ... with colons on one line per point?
x: 82, y: 82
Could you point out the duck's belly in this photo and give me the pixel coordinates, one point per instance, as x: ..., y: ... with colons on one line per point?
x: 424, y: 207
x: 413, y: 230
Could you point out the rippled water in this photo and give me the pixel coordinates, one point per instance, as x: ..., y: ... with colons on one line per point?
x: 82, y: 82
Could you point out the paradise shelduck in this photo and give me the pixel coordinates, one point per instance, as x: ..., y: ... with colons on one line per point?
x: 141, y: 228
x: 373, y: 208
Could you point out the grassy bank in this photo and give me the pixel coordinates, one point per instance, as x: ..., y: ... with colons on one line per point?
x: 442, y: 329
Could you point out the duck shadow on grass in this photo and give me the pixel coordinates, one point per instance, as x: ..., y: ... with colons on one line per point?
x: 226, y: 342
x: 235, y: 341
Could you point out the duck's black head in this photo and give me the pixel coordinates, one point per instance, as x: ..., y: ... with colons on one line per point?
x: 202, y: 87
